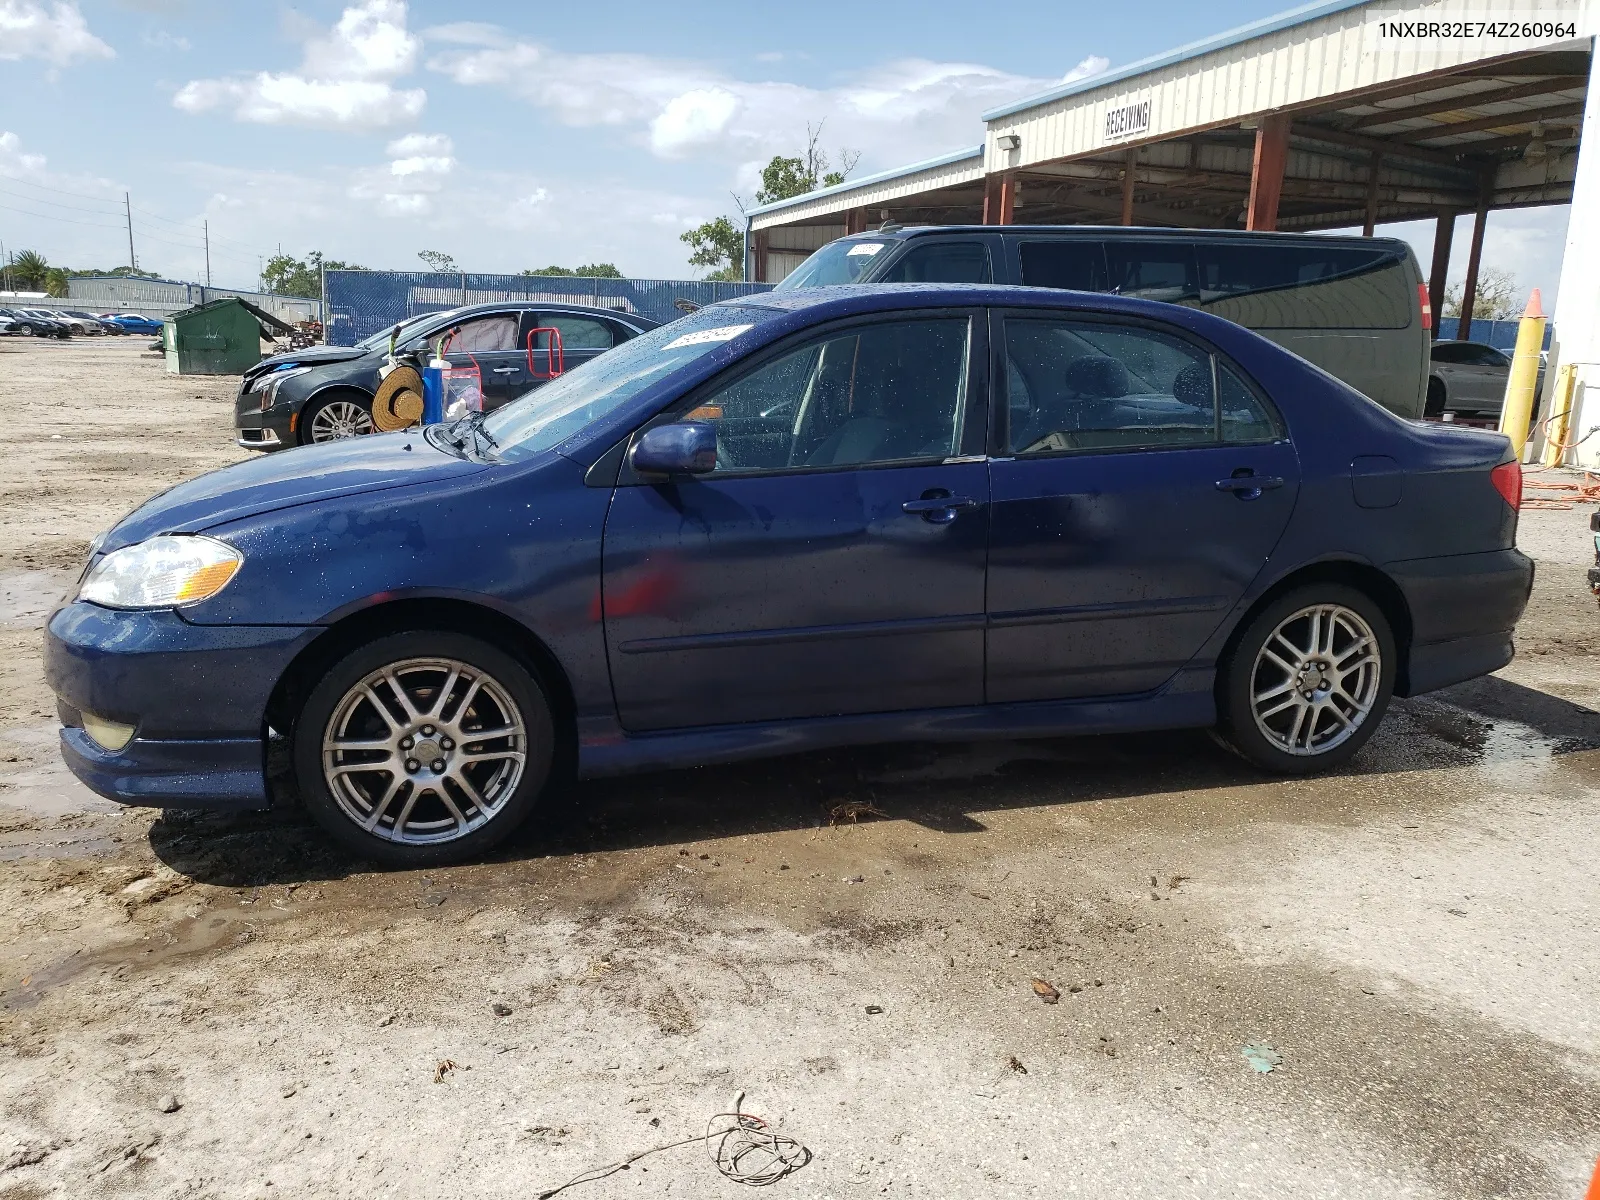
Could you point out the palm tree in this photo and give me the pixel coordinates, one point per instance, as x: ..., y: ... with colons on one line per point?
x: 28, y: 271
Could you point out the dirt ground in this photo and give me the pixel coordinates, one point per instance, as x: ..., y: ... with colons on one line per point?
x: 1416, y: 938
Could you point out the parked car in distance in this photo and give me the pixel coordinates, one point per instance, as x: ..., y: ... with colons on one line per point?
x: 8, y: 326
x: 79, y: 326
x: 95, y: 324
x: 1468, y: 379
x: 31, y: 324
x: 1357, y: 307
x: 794, y: 521
x: 324, y: 393
x: 135, y: 323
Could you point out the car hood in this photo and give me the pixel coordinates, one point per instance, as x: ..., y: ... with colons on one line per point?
x: 299, y: 476
x: 313, y: 355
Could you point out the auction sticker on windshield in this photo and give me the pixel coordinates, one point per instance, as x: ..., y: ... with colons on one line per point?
x: 868, y: 248
x: 722, y: 333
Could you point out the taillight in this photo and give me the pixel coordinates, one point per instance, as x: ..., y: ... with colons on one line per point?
x: 1507, y: 480
x: 1427, y: 306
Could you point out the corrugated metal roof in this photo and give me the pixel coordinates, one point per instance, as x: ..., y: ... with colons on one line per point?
x: 852, y: 185
x: 1221, y: 41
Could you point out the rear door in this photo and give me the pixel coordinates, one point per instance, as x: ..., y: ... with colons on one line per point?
x: 834, y: 561
x: 1141, y: 484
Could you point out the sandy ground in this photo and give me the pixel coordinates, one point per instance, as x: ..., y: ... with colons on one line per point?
x: 1417, y: 938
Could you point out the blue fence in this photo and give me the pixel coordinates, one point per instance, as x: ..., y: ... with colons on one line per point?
x: 1502, y: 335
x: 360, y: 303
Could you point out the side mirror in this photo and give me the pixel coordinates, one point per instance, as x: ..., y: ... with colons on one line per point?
x: 682, y: 448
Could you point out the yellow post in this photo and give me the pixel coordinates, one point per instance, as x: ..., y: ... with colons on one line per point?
x: 1517, y: 410
x: 1560, y: 414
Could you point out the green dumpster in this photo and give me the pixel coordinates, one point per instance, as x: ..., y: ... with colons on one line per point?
x: 220, y: 337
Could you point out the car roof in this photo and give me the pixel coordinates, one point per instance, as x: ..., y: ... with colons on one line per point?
x: 1459, y: 342
x: 878, y: 297
x: 1159, y: 233
x: 580, y: 310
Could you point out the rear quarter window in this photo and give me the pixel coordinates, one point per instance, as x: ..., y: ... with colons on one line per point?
x: 1306, y: 287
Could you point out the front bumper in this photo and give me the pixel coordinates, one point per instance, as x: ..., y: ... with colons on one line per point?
x: 195, y: 694
x: 270, y: 430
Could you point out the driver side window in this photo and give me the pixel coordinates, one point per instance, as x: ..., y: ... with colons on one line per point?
x: 889, y: 392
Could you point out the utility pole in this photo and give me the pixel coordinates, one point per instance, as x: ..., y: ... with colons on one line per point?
x: 127, y: 206
x: 206, y: 225
x: 5, y: 268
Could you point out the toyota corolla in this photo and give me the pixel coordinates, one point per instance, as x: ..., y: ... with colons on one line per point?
x: 799, y: 520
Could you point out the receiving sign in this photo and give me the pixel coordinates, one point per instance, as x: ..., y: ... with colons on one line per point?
x: 1127, y: 120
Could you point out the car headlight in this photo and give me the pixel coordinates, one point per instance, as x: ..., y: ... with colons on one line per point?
x: 165, y: 572
x: 267, y: 385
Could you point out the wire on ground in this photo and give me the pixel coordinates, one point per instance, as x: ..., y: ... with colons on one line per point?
x: 742, y: 1145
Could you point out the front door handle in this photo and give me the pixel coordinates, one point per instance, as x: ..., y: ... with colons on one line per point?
x: 938, y: 509
x: 1248, y: 487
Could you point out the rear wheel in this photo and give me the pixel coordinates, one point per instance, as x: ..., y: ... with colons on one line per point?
x: 1308, y: 681
x: 1434, y: 408
x: 424, y: 748
x: 25, y: 329
x: 341, y: 415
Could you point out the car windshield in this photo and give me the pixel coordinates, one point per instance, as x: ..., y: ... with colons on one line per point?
x: 844, y: 261
x: 407, y: 328
x: 545, y: 418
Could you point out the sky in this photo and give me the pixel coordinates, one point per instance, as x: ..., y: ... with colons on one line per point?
x: 514, y: 136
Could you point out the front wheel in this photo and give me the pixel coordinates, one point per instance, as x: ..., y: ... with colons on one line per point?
x: 339, y: 416
x: 1308, y: 680
x: 424, y: 748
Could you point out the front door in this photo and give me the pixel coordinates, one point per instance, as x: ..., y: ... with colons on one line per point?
x: 489, y: 342
x: 1144, y: 487
x: 833, y: 563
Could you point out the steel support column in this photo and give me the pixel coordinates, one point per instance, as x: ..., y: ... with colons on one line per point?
x: 1371, y: 222
x: 999, y: 198
x: 1266, y: 172
x: 1129, y: 160
x: 761, y: 257
x: 855, y: 221
x: 1444, y: 230
x: 1469, y: 289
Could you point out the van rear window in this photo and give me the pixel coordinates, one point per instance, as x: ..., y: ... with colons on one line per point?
x: 1268, y: 286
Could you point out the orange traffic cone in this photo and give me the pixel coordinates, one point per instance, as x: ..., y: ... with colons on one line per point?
x: 1594, y: 1185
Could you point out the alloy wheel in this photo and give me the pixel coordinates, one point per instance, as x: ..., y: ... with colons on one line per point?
x: 340, y: 419
x: 1315, y: 679
x: 424, y: 751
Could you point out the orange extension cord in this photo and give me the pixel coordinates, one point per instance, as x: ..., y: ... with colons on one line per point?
x: 1567, y: 495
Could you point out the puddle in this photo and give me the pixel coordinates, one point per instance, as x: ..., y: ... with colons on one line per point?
x: 26, y: 597
x: 40, y: 785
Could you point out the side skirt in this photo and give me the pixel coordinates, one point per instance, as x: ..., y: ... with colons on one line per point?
x: 605, y: 749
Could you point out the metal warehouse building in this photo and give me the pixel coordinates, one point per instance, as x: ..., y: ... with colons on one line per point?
x: 1338, y: 115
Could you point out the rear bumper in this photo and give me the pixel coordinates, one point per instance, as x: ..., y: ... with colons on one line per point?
x: 1464, y: 609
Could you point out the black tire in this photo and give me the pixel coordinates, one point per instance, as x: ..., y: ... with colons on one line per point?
x: 326, y: 404
x: 1434, y: 409
x: 25, y: 329
x: 1245, y: 674
x: 334, y: 706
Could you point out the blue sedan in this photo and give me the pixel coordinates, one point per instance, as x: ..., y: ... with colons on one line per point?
x: 799, y: 520
x: 133, y: 323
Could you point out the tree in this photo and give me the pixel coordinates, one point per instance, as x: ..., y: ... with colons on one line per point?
x: 1499, y: 296
x: 785, y: 177
x: 587, y: 271
x: 718, y: 245
x: 55, y: 281
x: 29, y: 271
x: 286, y: 275
x: 438, y: 261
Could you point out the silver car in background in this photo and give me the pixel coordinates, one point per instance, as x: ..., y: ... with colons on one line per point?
x: 1468, y: 380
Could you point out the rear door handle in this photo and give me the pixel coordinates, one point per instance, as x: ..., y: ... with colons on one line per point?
x: 1254, y: 484
x: 938, y: 510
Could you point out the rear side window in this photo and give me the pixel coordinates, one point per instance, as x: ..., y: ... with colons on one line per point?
x: 942, y: 262
x: 1274, y: 286
x: 1063, y: 263
x: 1153, y: 268
x: 1095, y: 386
x: 579, y: 333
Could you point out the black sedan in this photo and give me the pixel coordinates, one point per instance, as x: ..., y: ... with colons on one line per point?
x: 31, y: 324
x: 323, y: 393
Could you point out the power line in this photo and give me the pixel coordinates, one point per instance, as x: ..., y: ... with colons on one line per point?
x: 62, y: 191
x: 41, y: 200
x: 64, y: 220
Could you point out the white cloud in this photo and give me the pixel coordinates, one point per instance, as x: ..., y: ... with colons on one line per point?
x: 14, y: 161
x: 420, y: 143
x: 345, y: 79
x: 899, y: 111
x: 1093, y: 64
x: 693, y: 119
x: 406, y: 204
x: 421, y: 158
x: 162, y: 40
x: 422, y: 164
x: 58, y: 36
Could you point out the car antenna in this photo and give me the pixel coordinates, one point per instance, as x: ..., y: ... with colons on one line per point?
x: 888, y: 226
